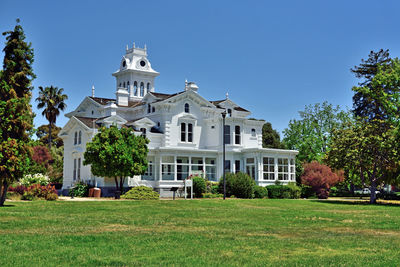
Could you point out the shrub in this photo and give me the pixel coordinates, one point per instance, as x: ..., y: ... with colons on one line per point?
x: 79, y: 190
x: 295, y: 191
x: 212, y: 195
x: 284, y: 191
x: 275, y: 191
x: 211, y: 187
x: 320, y: 177
x: 260, y: 192
x: 47, y: 192
x: 37, y: 178
x: 141, y: 193
x: 199, y: 186
x: 19, y: 189
x: 239, y: 184
x: 13, y: 195
x: 307, y: 191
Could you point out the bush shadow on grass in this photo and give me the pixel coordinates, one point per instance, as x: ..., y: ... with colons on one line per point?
x: 7, y: 206
x: 355, y: 202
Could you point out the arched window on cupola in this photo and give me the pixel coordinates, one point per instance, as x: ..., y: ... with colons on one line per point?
x: 124, y: 84
x: 141, y: 89
x: 187, y: 109
x: 135, y: 88
x: 148, y: 87
x: 127, y: 84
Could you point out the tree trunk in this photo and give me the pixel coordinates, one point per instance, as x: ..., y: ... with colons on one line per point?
x: 49, y: 136
x: 372, y: 199
x: 3, y: 192
x: 117, y: 193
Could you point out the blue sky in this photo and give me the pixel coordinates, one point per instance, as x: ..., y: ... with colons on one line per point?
x: 273, y: 57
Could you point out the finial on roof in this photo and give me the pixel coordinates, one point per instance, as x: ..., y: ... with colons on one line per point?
x: 145, y: 47
x: 92, y: 90
x: 227, y: 95
x: 133, y: 44
x: 186, y: 84
x: 127, y: 47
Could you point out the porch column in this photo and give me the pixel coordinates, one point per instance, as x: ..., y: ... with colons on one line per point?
x: 204, y: 167
x: 175, y: 169
x: 261, y: 171
x: 160, y: 170
x: 276, y: 168
x: 190, y: 165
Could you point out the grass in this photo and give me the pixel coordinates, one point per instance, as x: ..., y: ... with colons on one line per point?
x: 199, y: 233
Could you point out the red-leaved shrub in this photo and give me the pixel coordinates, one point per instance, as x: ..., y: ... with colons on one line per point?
x: 47, y: 192
x: 321, y: 178
x: 19, y: 189
x: 41, y: 155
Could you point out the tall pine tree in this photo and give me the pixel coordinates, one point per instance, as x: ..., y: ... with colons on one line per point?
x: 15, y: 110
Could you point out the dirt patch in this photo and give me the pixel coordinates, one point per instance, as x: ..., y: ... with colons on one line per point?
x: 369, y: 232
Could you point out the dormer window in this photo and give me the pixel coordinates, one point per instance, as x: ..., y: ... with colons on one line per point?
x: 229, y: 112
x: 187, y: 110
x: 124, y: 64
x: 187, y: 133
x: 135, y: 88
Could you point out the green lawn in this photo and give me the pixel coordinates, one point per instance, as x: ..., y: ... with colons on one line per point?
x: 199, y: 232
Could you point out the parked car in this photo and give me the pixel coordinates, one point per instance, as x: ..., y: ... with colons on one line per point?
x: 365, y: 191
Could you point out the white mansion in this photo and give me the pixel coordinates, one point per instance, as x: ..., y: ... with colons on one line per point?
x: 184, y: 129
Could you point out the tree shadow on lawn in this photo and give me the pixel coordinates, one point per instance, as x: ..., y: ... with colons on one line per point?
x: 356, y: 202
x: 7, y: 206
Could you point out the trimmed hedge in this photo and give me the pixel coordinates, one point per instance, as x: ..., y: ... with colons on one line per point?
x: 141, y: 193
x: 260, y: 192
x: 284, y: 191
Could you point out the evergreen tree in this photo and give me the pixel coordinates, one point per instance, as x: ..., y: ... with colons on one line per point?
x: 15, y: 110
x: 270, y: 137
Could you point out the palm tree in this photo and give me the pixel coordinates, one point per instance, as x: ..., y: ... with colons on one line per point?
x: 52, y: 100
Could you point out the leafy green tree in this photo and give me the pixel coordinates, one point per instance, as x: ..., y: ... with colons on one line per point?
x: 52, y: 100
x: 367, y: 150
x: 312, y: 133
x: 270, y: 137
x: 43, y: 134
x: 117, y: 153
x: 15, y: 110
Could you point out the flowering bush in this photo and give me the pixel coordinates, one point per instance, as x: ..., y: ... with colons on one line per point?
x: 47, y: 192
x: 37, y: 178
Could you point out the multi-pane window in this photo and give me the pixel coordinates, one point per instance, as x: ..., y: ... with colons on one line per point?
x: 167, y: 168
x: 148, y: 175
x: 251, y: 167
x: 292, y: 169
x: 186, y: 135
x: 187, y: 109
x: 190, y: 132
x: 197, y: 166
x: 283, y: 169
x: 227, y: 134
x: 227, y: 166
x: 182, y: 168
x: 211, y: 173
x: 229, y: 112
x: 237, y: 166
x: 183, y: 132
x: 237, y: 135
x: 269, y: 168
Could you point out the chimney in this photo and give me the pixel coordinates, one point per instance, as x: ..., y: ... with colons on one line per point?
x: 122, y: 97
